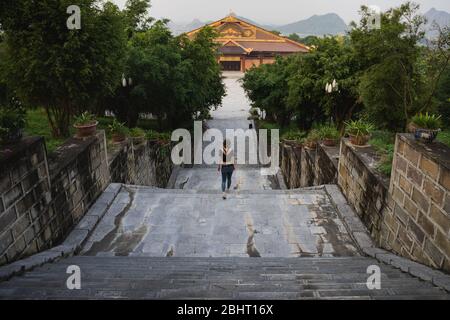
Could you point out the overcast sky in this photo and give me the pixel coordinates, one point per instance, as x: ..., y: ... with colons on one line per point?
x: 271, y: 11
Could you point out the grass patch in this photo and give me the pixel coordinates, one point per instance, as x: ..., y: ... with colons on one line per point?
x: 384, y: 143
x: 444, y: 137
x: 37, y: 125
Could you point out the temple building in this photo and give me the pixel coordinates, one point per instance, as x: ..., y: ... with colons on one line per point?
x: 243, y: 45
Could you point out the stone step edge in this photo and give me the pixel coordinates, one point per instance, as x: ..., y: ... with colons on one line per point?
x: 74, y: 241
x: 366, y: 245
x: 311, y: 190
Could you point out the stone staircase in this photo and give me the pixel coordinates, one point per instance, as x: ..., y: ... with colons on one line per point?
x: 272, y: 244
x: 217, y: 278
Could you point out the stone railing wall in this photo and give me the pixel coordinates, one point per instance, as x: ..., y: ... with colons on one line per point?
x: 147, y: 164
x: 365, y: 189
x: 302, y: 167
x: 42, y: 198
x: 410, y: 213
x: 419, y: 225
x: 24, y: 193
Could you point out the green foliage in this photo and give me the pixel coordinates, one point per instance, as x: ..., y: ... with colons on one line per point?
x: 443, y: 97
x: 12, y: 119
x: 158, y: 136
x: 392, y: 85
x: 313, y: 136
x: 328, y: 132
x: 444, y: 137
x: 294, y: 135
x: 427, y: 121
x: 359, y: 127
x: 86, y: 118
x: 118, y: 128
x: 136, y: 16
x: 65, y: 71
x: 266, y: 86
x: 292, y: 89
x: 174, y: 78
x: 137, y: 133
x: 37, y: 125
x: 384, y: 143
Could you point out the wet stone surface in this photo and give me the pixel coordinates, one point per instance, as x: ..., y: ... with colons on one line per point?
x: 155, y: 222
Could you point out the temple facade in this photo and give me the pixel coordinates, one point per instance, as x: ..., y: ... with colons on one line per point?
x: 243, y: 45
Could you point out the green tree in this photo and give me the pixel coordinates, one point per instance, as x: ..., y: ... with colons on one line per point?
x: 174, y: 78
x: 392, y: 85
x: 295, y: 37
x: 332, y: 60
x: 136, y: 16
x: 267, y: 86
x: 65, y: 71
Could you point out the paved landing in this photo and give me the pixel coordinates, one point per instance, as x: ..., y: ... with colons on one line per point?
x: 190, y: 223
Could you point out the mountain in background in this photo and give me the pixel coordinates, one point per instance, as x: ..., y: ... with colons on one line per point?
x: 317, y: 25
x: 442, y: 18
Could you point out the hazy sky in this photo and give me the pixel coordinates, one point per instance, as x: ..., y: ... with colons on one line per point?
x: 271, y: 11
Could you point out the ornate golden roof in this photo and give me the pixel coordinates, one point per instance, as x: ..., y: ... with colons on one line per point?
x: 251, y: 37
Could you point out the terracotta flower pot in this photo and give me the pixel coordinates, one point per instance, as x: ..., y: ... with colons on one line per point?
x: 329, y: 142
x: 86, y: 130
x: 359, y: 140
x: 118, y: 138
x: 426, y: 135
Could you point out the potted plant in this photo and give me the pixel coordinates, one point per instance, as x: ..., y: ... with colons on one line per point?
x: 118, y: 131
x: 12, y: 122
x: 329, y: 135
x: 426, y: 126
x: 159, y: 138
x: 295, y: 137
x: 359, y: 131
x: 312, y: 139
x: 137, y: 135
x: 85, y: 124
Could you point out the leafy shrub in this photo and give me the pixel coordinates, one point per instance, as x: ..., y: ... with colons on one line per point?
x: 295, y: 135
x: 137, y: 133
x: 427, y: 121
x: 162, y: 137
x: 86, y: 118
x: 384, y: 143
x: 313, y: 136
x: 328, y: 132
x: 359, y: 127
x: 11, y: 121
x: 118, y: 128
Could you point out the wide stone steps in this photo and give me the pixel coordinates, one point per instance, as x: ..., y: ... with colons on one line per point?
x: 217, y: 278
